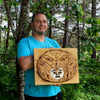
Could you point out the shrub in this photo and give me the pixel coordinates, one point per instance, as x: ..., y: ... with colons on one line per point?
x: 89, y: 86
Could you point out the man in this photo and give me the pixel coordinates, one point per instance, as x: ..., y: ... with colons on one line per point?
x: 25, y: 59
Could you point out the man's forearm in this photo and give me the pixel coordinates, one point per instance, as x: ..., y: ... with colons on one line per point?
x: 26, y: 62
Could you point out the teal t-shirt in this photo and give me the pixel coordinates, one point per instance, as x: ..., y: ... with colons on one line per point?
x: 25, y: 48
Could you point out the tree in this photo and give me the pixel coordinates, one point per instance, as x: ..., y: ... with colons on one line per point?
x: 1, y: 8
x: 7, y: 40
x: 50, y: 27
x: 65, y: 38
x: 94, y: 16
x: 83, y: 24
x: 19, y: 34
x: 78, y: 32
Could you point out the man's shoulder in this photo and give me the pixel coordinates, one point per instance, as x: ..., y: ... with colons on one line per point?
x: 24, y: 39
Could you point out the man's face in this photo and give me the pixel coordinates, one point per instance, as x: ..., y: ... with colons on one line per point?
x: 40, y: 24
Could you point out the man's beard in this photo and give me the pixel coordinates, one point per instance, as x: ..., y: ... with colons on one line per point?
x: 39, y: 33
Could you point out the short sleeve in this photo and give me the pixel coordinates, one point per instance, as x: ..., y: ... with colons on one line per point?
x: 23, y: 48
x: 56, y: 44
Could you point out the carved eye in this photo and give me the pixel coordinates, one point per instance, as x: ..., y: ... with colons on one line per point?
x: 64, y: 58
x: 48, y: 58
x: 59, y: 72
x: 42, y: 63
x: 54, y: 72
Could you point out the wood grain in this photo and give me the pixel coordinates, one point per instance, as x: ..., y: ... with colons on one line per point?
x: 56, y: 66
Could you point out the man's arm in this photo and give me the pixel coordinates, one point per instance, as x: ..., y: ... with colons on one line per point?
x: 26, y: 62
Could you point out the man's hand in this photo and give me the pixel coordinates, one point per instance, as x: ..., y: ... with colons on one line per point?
x: 56, y: 84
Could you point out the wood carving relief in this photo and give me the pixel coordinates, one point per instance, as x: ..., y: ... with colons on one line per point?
x: 56, y: 66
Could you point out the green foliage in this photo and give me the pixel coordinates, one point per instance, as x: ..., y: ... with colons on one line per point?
x: 98, y: 39
x: 8, y: 78
x: 89, y: 86
x: 94, y: 28
x: 13, y: 3
x: 93, y: 40
x: 60, y: 1
x: 77, y: 10
x: 7, y: 96
x: 8, y: 55
x: 68, y: 1
x: 8, y: 83
x: 1, y: 1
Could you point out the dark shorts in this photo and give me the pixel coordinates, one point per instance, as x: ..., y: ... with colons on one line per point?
x: 57, y: 97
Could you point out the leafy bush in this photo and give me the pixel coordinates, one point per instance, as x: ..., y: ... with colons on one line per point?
x: 89, y: 86
x: 7, y: 96
x: 8, y: 78
x: 8, y: 83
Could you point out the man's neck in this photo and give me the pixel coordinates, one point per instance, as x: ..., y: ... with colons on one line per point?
x: 39, y: 37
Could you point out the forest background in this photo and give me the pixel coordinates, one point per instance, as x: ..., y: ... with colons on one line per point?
x: 72, y: 23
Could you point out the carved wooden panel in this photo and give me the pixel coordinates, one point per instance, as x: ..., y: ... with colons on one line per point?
x: 56, y: 66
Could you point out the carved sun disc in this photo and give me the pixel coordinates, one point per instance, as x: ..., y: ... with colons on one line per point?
x: 56, y: 66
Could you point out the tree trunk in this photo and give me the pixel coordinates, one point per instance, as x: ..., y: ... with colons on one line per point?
x: 23, y: 21
x: 65, y: 38
x: 93, y: 15
x: 16, y: 10
x: 83, y: 25
x: 20, y: 33
x: 0, y: 21
x: 22, y: 27
x: 20, y: 81
x: 50, y: 27
x: 7, y: 40
x: 78, y: 38
x: 8, y: 12
x: 0, y: 35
